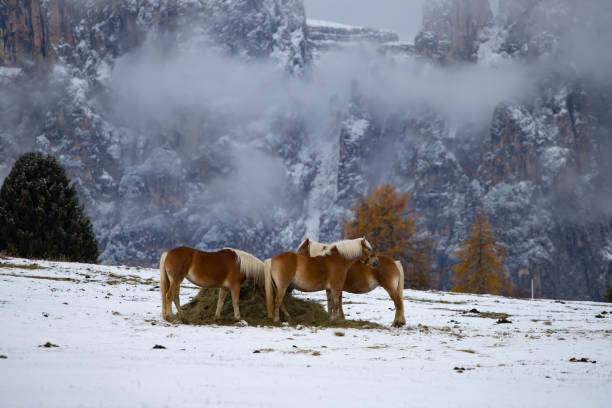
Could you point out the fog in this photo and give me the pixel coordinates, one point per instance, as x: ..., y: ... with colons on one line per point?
x: 198, y: 82
x: 241, y: 100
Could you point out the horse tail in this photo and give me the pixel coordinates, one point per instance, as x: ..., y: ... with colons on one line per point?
x: 252, y: 267
x: 269, y: 287
x: 164, y: 284
x: 400, y: 284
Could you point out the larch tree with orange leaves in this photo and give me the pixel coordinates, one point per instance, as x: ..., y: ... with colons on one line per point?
x: 384, y: 218
x: 481, y: 269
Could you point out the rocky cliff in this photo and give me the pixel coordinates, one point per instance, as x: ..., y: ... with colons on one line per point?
x: 451, y: 28
x: 538, y: 165
x: 324, y: 36
x: 59, y: 61
x: 209, y: 123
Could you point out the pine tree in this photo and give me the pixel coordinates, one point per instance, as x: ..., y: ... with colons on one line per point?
x: 607, y: 297
x: 40, y: 215
x: 481, y: 269
x: 386, y: 221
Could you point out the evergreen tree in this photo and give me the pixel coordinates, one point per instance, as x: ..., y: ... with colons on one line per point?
x: 386, y: 221
x: 607, y: 297
x: 481, y: 269
x: 40, y: 215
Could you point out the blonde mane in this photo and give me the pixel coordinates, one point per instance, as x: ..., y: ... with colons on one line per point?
x: 316, y: 247
x: 349, y: 248
x: 251, y: 266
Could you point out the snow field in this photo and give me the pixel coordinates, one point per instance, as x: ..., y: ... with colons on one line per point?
x: 106, y: 320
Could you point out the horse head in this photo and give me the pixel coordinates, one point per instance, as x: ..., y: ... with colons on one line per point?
x: 368, y: 255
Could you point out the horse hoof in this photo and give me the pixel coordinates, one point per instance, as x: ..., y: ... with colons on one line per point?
x: 398, y: 324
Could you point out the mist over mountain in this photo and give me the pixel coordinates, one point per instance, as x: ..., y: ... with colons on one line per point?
x: 238, y: 123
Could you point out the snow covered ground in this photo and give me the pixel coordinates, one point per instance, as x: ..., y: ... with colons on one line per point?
x: 106, y: 320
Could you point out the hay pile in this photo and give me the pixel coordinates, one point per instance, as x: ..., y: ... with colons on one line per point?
x: 201, y: 310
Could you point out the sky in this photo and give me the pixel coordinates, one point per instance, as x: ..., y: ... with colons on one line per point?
x: 401, y: 16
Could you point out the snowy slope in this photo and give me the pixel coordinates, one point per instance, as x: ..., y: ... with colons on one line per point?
x: 106, y: 319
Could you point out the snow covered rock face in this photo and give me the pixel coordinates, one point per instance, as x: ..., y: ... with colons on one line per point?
x: 58, y: 68
x: 539, y: 165
x: 80, y: 30
x: 172, y: 140
x: 324, y: 36
x: 555, y: 143
x: 450, y: 29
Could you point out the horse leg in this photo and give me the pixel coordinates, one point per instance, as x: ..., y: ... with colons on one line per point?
x: 399, y: 319
x: 220, y: 302
x: 278, y: 303
x: 336, y: 294
x: 235, y: 289
x: 340, y: 311
x: 283, y: 309
x: 285, y: 312
x: 173, y: 296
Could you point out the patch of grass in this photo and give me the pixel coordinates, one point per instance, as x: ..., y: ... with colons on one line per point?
x: 28, y: 267
x: 201, y: 309
x: 297, y: 350
x: 448, y: 330
x: 131, y: 279
x: 467, y: 351
x: 263, y: 350
x: 40, y: 277
x: 491, y: 315
x: 444, y: 302
x: 378, y: 347
x: 339, y: 333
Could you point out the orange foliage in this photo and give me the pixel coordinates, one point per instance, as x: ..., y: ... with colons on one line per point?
x: 385, y: 220
x: 481, y: 269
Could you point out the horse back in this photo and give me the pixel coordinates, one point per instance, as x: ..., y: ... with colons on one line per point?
x: 178, y: 260
x: 387, y: 273
x: 306, y: 273
x: 207, y: 269
x: 361, y: 278
x: 216, y: 268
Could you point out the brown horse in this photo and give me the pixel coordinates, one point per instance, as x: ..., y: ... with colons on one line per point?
x: 326, y: 271
x: 361, y: 278
x: 224, y: 269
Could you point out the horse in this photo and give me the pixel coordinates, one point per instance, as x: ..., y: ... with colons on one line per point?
x: 225, y: 269
x: 326, y: 271
x: 363, y: 279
